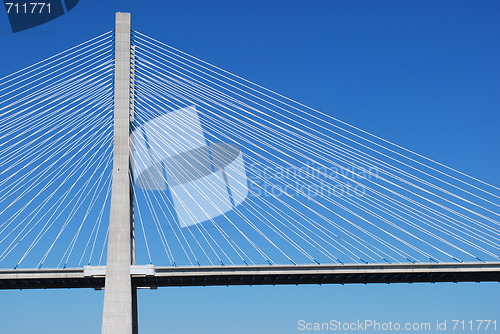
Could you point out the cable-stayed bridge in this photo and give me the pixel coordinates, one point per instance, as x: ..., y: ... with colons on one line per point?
x: 128, y: 163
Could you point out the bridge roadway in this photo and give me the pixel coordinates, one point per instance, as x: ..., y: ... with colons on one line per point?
x: 152, y: 277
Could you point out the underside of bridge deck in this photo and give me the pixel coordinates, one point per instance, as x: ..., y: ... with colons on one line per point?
x: 153, y: 277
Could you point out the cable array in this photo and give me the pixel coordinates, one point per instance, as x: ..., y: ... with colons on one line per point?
x: 56, y: 147
x: 289, y: 184
x: 320, y: 190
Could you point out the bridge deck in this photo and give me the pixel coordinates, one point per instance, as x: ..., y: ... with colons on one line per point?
x: 153, y: 277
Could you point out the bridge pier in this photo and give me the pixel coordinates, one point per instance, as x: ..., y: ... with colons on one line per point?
x: 120, y: 297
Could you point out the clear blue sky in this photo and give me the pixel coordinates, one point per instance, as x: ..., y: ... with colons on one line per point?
x: 424, y: 74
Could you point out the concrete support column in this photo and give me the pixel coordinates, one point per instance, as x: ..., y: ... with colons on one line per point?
x: 119, y: 314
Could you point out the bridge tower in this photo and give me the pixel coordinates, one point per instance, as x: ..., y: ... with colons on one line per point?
x: 120, y: 297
